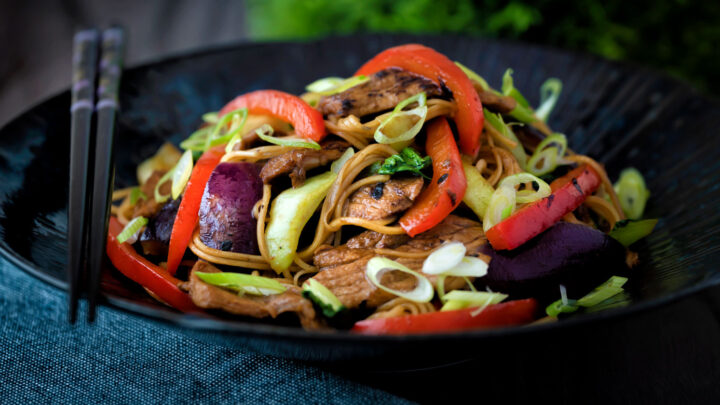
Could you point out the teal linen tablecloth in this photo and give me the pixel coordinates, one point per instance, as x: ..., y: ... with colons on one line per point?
x: 127, y: 359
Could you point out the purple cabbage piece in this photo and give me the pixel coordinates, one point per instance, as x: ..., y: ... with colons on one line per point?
x: 226, y: 221
x: 576, y: 256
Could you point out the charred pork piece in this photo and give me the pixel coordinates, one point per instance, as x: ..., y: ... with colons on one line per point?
x: 382, y: 92
x: 383, y: 200
x: 342, y: 269
x: 209, y: 296
x: 156, y: 237
x: 298, y: 161
x: 226, y: 221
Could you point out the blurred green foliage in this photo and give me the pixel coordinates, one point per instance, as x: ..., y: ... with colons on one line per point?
x: 681, y: 37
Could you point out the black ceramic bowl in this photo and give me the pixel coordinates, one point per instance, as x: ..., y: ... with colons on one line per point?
x: 622, y: 115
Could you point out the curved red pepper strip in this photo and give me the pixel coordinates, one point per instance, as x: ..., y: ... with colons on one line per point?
x: 504, y: 314
x: 187, y: 215
x: 143, y: 272
x: 307, y: 121
x: 447, y: 187
x: 568, y: 193
x: 438, y: 68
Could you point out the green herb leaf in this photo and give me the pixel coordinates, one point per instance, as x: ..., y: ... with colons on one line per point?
x: 408, y: 160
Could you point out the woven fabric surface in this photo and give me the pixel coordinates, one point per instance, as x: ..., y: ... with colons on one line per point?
x: 122, y: 358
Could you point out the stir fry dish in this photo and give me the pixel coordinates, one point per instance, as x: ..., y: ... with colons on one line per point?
x: 411, y: 197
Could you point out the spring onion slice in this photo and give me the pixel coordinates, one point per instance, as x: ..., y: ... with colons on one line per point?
x: 196, y: 140
x: 606, y: 290
x: 563, y: 305
x: 632, y: 192
x: 235, y: 119
x: 181, y: 174
x: 508, y: 89
x: 160, y: 198
x: 399, y: 126
x: 469, y: 266
x: 501, y: 206
x: 629, y: 231
x: 243, y: 283
x: 499, y: 124
x: 527, y: 195
x: 377, y: 266
x: 459, y: 299
x: 473, y: 76
x: 321, y: 295
x: 337, y: 165
x: 444, y: 258
x: 333, y: 85
x: 550, y: 152
x: 210, y: 118
x: 549, y: 94
x: 132, y: 230
x: 137, y: 194
x: 265, y: 133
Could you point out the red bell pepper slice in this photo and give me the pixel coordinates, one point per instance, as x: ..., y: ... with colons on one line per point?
x: 568, y: 193
x: 509, y: 313
x: 307, y: 121
x: 437, y: 67
x: 447, y: 187
x: 187, y: 215
x: 145, y: 273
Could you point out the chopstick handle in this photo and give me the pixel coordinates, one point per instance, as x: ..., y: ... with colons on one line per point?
x: 113, y: 41
x: 81, y: 110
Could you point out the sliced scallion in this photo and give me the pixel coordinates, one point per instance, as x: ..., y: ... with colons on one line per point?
x: 210, y: 118
x: 606, y: 290
x: 501, y: 206
x: 323, y: 297
x: 136, y: 194
x: 563, y: 305
x: 469, y: 266
x: 243, y: 283
x: 549, y: 152
x: 459, y: 299
x: 526, y: 195
x: 332, y: 85
x: 508, y: 89
x: 629, y: 231
x: 549, y: 94
x: 377, y: 266
x: 632, y: 192
x: 265, y: 133
x: 235, y: 120
x: 161, y: 198
x: 131, y: 231
x: 181, y: 174
x: 499, y: 124
x: 403, y: 125
x: 473, y: 76
x: 444, y: 258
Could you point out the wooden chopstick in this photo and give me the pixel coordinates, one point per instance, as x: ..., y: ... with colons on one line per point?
x: 111, y: 61
x: 84, y: 70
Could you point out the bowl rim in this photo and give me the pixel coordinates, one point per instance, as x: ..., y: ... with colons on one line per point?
x: 214, y: 324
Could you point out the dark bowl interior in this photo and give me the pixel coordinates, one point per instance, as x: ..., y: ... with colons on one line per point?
x: 621, y: 115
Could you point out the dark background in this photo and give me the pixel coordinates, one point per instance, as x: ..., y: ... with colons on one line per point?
x: 679, y: 37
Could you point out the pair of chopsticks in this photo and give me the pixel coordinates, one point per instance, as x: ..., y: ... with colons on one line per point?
x: 97, y: 66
